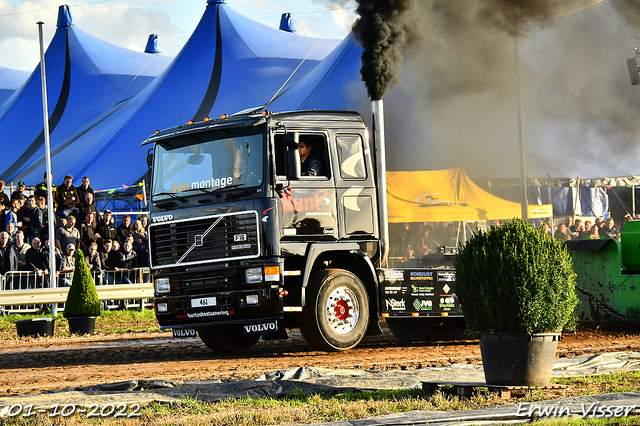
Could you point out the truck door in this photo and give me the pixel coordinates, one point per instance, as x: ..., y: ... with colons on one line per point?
x: 309, y: 206
x: 355, y: 187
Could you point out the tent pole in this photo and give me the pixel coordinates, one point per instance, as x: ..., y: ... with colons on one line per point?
x: 633, y: 200
x: 47, y: 146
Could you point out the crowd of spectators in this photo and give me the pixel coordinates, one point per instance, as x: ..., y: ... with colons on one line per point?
x: 414, y: 240
x: 577, y: 230
x: 108, y: 249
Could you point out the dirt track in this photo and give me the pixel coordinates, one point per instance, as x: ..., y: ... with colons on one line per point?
x: 31, y: 366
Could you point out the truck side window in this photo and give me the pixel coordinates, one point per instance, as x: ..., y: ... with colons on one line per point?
x: 315, y: 145
x: 351, y: 156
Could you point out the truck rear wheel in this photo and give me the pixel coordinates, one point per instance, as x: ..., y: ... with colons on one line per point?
x: 336, y: 314
x: 426, y: 329
x: 228, y: 338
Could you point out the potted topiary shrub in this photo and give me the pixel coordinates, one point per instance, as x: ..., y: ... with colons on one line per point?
x: 83, y: 304
x: 516, y: 287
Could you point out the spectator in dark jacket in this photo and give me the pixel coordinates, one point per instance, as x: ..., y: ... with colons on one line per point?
x: 87, y: 230
x: 38, y: 262
x: 67, y: 197
x: 106, y: 227
x: 34, y: 219
x: 19, y: 191
x: 128, y: 260
x: 40, y: 190
x: 124, y: 229
x: 83, y: 190
x: 89, y: 207
x: 92, y: 258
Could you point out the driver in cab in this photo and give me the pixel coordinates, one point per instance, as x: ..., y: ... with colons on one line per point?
x: 310, y: 165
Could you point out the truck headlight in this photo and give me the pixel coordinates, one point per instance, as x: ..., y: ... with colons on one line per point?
x: 162, y: 285
x: 252, y: 299
x: 253, y: 275
x: 162, y: 307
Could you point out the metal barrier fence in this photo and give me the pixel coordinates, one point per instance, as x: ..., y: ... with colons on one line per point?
x: 27, y: 292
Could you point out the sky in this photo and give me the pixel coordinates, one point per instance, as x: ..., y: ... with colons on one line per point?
x: 128, y: 23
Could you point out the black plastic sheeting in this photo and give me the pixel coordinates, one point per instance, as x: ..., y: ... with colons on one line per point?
x: 311, y: 380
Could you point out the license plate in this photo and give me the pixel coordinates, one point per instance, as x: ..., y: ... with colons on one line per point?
x: 184, y: 332
x: 260, y: 328
x: 202, y: 302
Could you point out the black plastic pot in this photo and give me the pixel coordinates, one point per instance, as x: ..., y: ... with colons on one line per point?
x: 35, y: 327
x: 512, y: 359
x: 82, y: 325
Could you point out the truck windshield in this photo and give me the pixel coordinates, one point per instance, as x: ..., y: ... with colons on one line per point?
x: 207, y: 162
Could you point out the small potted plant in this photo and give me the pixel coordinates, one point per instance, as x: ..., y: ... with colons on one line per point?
x: 83, y: 304
x: 516, y: 287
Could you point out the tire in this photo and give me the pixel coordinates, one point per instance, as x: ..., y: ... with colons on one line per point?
x: 336, y: 315
x: 227, y: 339
x: 426, y: 329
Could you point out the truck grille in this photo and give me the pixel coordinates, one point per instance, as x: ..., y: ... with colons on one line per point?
x: 209, y: 239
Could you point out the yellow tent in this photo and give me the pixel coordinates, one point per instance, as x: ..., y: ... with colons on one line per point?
x: 447, y: 196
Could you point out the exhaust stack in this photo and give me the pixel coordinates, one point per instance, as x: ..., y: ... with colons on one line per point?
x: 377, y: 111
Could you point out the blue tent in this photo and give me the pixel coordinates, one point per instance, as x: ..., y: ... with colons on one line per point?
x: 10, y: 81
x: 85, y: 76
x: 334, y: 84
x: 229, y: 63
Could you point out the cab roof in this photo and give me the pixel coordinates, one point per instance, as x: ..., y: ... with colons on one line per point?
x: 252, y: 118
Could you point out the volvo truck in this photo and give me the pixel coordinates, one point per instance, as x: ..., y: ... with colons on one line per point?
x: 244, y: 246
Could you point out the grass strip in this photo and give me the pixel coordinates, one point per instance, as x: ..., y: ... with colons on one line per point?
x: 301, y: 408
x: 109, y: 322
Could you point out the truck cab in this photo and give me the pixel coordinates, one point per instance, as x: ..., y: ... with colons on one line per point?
x: 243, y: 245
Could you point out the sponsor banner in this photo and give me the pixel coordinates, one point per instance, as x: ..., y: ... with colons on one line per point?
x: 423, y: 305
x: 208, y: 314
x: 393, y: 274
x: 395, y: 304
x: 448, y: 276
x: 422, y: 290
x: 421, y: 275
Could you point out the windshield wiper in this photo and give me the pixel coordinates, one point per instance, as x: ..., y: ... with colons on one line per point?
x: 173, y: 195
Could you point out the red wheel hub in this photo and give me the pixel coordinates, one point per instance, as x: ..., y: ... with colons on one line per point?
x: 341, y: 310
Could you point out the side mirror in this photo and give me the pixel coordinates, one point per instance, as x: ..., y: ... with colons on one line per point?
x: 292, y: 164
x: 292, y: 161
x: 150, y: 158
x: 292, y: 139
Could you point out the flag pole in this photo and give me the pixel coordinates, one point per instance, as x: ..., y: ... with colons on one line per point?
x: 47, y: 145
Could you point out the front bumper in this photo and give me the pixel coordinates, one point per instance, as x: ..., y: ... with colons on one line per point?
x: 224, y: 307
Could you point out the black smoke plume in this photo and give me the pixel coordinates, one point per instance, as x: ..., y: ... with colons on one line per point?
x: 384, y: 30
x: 389, y: 29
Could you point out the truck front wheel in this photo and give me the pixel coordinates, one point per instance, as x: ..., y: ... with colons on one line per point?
x: 227, y: 338
x: 336, y: 313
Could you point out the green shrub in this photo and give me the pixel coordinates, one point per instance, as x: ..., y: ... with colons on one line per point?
x: 514, y: 278
x: 82, y: 300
